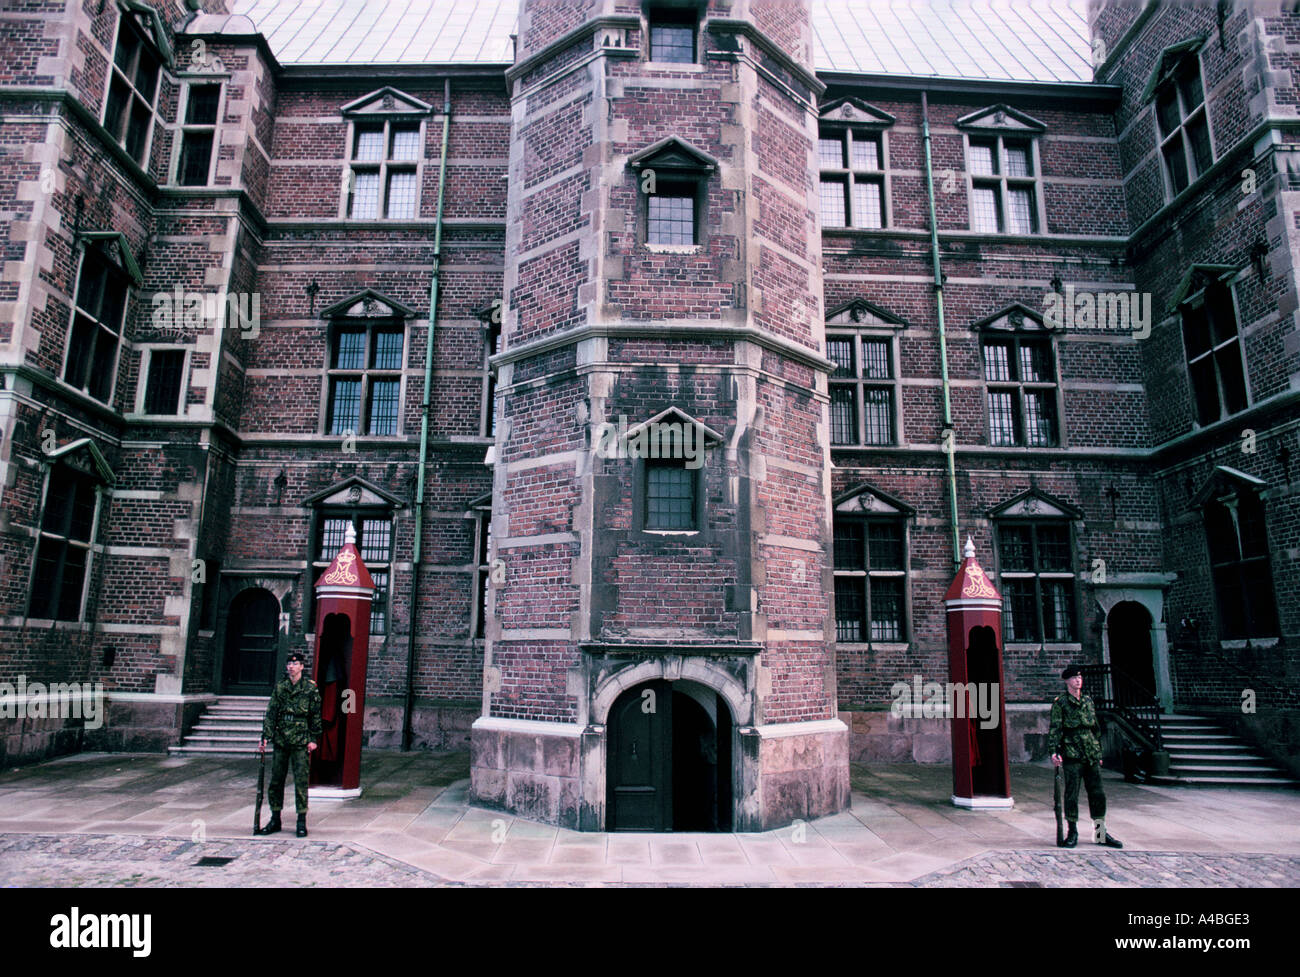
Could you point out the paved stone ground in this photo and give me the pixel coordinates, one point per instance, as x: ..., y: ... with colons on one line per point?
x: 99, y: 861
x: 132, y: 820
x: 1112, y: 869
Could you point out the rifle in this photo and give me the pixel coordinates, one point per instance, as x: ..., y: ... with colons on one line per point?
x: 261, y: 791
x: 1060, y: 809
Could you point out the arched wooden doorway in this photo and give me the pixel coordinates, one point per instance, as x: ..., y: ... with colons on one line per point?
x: 668, y: 766
x: 1128, y: 632
x: 252, y: 643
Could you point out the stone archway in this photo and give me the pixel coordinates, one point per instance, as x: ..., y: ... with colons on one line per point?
x: 1148, y: 591
x: 708, y: 698
x: 668, y: 760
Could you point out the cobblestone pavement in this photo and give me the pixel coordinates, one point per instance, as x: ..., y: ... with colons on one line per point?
x: 1146, y: 870
x: 95, y: 861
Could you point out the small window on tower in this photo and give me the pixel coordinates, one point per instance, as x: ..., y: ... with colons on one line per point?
x: 671, y: 492
x: 672, y: 34
x: 671, y: 213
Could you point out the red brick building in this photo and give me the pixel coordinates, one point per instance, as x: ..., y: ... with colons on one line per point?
x: 228, y: 226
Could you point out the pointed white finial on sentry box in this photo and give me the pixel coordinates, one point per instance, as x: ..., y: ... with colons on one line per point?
x: 350, y: 535
x: 969, y: 551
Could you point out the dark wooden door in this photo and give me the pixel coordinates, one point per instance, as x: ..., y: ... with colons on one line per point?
x: 252, y: 643
x: 639, y: 765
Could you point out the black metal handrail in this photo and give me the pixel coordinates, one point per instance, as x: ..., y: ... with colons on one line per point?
x: 1116, y: 692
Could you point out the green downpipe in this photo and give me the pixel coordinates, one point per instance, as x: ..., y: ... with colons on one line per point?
x: 949, y: 434
x: 426, y: 406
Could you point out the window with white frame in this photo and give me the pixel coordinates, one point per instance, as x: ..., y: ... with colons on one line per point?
x: 384, y: 174
x: 1237, y: 539
x: 852, y: 166
x: 133, y: 86
x: 1214, y: 356
x: 164, y: 381
x: 198, y: 134
x: 63, y: 545
x: 1184, y: 128
x: 1035, y: 568
x: 99, y: 308
x: 1004, y: 184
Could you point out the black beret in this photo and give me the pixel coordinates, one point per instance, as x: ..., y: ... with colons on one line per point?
x: 1071, y: 671
x: 297, y: 656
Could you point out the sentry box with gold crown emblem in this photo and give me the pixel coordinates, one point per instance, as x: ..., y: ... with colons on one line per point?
x: 980, y: 774
x: 343, y: 595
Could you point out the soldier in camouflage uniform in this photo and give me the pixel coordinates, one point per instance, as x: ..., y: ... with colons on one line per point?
x: 1074, y: 739
x: 293, y: 725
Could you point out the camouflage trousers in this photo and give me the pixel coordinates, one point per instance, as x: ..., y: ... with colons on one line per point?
x: 1090, y: 773
x: 284, y: 755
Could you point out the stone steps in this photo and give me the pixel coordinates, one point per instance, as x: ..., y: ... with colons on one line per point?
x: 1201, y: 752
x: 231, y: 726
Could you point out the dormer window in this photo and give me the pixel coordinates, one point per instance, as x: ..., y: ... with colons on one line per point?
x: 673, y: 32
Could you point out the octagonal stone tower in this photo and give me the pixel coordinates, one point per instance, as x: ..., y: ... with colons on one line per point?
x: 660, y: 646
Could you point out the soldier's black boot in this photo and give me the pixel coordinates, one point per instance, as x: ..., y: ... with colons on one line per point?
x: 302, y: 826
x: 272, y: 826
x: 1072, y: 838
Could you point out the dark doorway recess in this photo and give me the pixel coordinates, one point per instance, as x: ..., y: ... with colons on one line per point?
x: 988, y: 776
x: 1129, y: 631
x: 669, y: 762
x: 252, y: 633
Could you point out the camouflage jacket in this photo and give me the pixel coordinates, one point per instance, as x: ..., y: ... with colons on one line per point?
x: 293, y: 714
x: 1075, y: 733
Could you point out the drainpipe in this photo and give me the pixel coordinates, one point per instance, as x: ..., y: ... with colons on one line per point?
x: 949, y: 435
x: 425, y: 408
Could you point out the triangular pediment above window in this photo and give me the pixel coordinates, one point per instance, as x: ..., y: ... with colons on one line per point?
x: 867, y: 500
x: 113, y: 247
x: 1015, y: 317
x: 368, y: 304
x: 151, y: 25
x: 1035, y: 504
x: 1001, y: 118
x: 387, y: 101
x: 673, y: 154
x: 1198, y: 278
x: 674, y: 415
x: 1168, y: 62
x: 1225, y: 482
x: 860, y: 312
x: 84, y: 456
x: 854, y: 111
x: 355, y: 491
